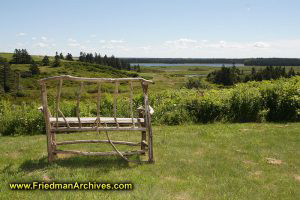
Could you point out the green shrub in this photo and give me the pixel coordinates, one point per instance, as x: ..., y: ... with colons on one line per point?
x: 209, y: 108
x: 282, y: 98
x: 20, y: 119
x: 248, y: 102
x: 245, y: 104
x: 198, y: 83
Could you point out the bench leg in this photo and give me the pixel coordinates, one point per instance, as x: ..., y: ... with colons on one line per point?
x: 150, y: 147
x: 50, y: 146
x: 144, y: 138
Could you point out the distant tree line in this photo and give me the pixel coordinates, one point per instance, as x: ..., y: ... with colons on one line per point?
x: 230, y: 76
x: 109, y: 61
x: 245, y: 61
x: 272, y: 62
x: 185, y: 60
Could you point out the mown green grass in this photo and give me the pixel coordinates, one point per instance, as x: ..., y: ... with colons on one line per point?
x: 214, y: 161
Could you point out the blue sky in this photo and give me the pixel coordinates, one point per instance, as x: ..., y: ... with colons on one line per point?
x: 156, y: 28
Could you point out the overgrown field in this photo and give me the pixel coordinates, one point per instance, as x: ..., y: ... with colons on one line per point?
x: 214, y: 161
x: 271, y: 101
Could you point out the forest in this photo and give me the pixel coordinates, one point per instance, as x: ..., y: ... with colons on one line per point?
x: 245, y: 61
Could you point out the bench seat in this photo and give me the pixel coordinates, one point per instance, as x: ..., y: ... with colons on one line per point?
x: 91, y: 120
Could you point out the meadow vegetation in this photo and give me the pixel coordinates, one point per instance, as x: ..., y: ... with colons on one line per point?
x: 207, y: 153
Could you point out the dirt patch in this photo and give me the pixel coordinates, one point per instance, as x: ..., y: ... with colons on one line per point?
x: 249, y: 162
x: 240, y: 151
x: 245, y: 129
x: 256, y: 174
x: 199, y: 152
x: 171, y: 179
x: 186, y: 160
x: 182, y: 196
x: 274, y: 161
x: 297, y: 177
x: 46, y: 178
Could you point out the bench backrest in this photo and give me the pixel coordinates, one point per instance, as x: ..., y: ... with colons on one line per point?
x: 98, y: 82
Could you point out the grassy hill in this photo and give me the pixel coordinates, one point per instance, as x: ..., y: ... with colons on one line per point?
x: 8, y: 56
x: 30, y: 88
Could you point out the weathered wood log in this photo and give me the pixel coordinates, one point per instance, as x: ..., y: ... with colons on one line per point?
x: 91, y: 120
x: 58, y: 99
x: 131, y: 103
x: 47, y: 122
x: 88, y: 124
x: 95, y: 80
x: 98, y: 141
x: 126, y: 153
x: 98, y: 104
x: 148, y: 123
x: 115, y: 102
x: 75, y: 129
x: 144, y: 134
x: 78, y: 104
x: 144, y: 142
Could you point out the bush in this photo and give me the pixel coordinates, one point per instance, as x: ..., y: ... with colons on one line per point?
x: 197, y: 83
x: 248, y: 102
x: 282, y: 99
x: 209, y: 108
x: 20, y: 119
x: 245, y: 104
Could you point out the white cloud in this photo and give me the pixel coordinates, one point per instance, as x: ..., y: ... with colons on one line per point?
x: 146, y: 48
x: 44, y: 38
x: 117, y: 41
x: 181, y: 47
x: 21, y: 34
x: 93, y: 35
x: 41, y: 44
x: 181, y: 43
x: 71, y: 40
x: 261, y: 45
x: 74, y: 44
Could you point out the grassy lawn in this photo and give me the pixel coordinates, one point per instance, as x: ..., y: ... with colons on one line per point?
x: 214, y: 161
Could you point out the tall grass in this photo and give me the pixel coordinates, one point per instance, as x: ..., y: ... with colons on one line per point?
x: 247, y: 102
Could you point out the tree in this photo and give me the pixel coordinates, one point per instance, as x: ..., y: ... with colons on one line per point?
x: 291, y: 73
x: 46, y: 61
x: 61, y: 56
x: 109, y: 61
x: 138, y: 68
x: 21, y: 56
x: 34, y: 69
x: 253, y: 71
x: 225, y: 76
x: 56, y: 62
x: 6, y: 75
x: 69, y: 57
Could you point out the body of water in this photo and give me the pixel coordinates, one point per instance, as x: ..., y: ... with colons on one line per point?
x: 185, y: 64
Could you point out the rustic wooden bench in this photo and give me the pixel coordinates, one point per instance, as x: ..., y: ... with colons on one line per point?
x: 61, y: 124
